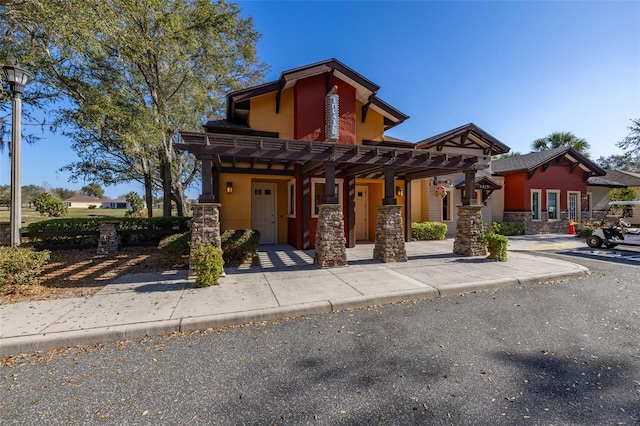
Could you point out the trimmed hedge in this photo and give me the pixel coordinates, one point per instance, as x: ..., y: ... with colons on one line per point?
x: 239, y: 246
x: 175, y: 245
x: 19, y: 265
x: 428, y: 231
x: 179, y: 224
x: 508, y: 228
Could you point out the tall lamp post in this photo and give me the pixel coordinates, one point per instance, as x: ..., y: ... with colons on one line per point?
x: 17, y: 78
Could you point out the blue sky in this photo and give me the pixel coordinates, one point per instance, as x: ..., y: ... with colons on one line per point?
x: 519, y: 70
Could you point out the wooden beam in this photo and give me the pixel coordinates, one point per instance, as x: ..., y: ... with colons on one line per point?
x: 389, y: 188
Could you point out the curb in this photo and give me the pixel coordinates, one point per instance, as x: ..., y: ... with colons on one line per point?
x: 43, y: 342
x: 11, y: 346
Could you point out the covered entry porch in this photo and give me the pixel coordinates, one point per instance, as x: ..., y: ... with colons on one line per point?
x: 304, y: 161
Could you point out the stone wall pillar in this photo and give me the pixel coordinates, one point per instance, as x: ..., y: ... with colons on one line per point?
x: 330, y: 239
x: 205, y: 227
x: 390, y: 245
x: 469, y: 239
x: 109, y: 240
x: 5, y: 233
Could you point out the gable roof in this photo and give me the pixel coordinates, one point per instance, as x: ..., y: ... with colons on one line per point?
x: 530, y: 162
x: 366, y: 90
x: 467, y: 136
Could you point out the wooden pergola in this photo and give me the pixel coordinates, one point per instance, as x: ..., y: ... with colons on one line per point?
x: 233, y: 153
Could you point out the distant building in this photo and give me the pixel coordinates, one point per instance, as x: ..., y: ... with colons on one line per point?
x: 83, y: 201
x: 120, y: 203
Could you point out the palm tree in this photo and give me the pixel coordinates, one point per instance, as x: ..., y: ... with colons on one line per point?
x: 560, y: 139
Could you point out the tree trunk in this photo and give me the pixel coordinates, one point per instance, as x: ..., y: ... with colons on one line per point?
x: 148, y: 194
x: 179, y: 198
x: 166, y: 187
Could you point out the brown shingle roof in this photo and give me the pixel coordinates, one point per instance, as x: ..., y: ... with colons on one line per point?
x: 530, y: 162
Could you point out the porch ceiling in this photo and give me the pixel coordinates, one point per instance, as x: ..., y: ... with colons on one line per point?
x: 254, y: 154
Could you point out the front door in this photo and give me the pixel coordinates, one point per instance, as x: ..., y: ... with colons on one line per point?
x: 263, y: 211
x: 574, y: 210
x: 362, y: 212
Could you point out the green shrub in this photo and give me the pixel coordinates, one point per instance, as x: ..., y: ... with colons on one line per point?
x: 19, y: 265
x: 497, y: 246
x: 508, y: 228
x: 428, y: 230
x: 584, y: 231
x: 239, y: 245
x: 47, y: 204
x: 175, y: 245
x: 207, y: 264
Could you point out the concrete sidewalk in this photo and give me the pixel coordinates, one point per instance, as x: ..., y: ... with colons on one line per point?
x: 284, y: 284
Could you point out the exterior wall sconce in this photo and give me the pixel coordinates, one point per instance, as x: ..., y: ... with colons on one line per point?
x: 229, y: 187
x: 399, y: 191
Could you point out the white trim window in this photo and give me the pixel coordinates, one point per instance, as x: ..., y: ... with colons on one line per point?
x: 553, y: 204
x: 446, y: 206
x: 536, y: 203
x: 318, y: 192
x: 291, y: 198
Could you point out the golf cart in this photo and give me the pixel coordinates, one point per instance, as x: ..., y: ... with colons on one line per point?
x: 619, y: 232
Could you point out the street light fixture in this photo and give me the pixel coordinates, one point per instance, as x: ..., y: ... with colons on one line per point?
x: 17, y: 79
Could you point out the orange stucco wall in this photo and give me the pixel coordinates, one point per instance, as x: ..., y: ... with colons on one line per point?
x: 236, y: 207
x: 372, y: 128
x: 262, y: 115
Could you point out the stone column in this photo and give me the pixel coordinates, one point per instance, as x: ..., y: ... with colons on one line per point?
x: 330, y: 239
x: 205, y: 227
x: 109, y: 241
x: 469, y: 234
x: 390, y: 245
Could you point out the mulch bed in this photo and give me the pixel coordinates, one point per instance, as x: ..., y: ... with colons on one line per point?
x: 78, y: 273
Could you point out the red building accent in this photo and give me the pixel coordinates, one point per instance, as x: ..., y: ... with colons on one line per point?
x: 309, y: 114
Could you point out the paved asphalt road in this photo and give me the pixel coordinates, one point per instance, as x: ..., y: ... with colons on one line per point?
x: 562, y: 353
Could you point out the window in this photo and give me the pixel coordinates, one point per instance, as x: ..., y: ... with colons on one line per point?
x: 318, y: 193
x: 553, y: 204
x: 291, y: 198
x: 535, y: 204
x: 447, y: 207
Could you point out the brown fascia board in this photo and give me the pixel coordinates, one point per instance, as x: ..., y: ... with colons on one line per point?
x: 327, y: 66
x: 458, y: 131
x: 300, y: 73
x: 400, y: 117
